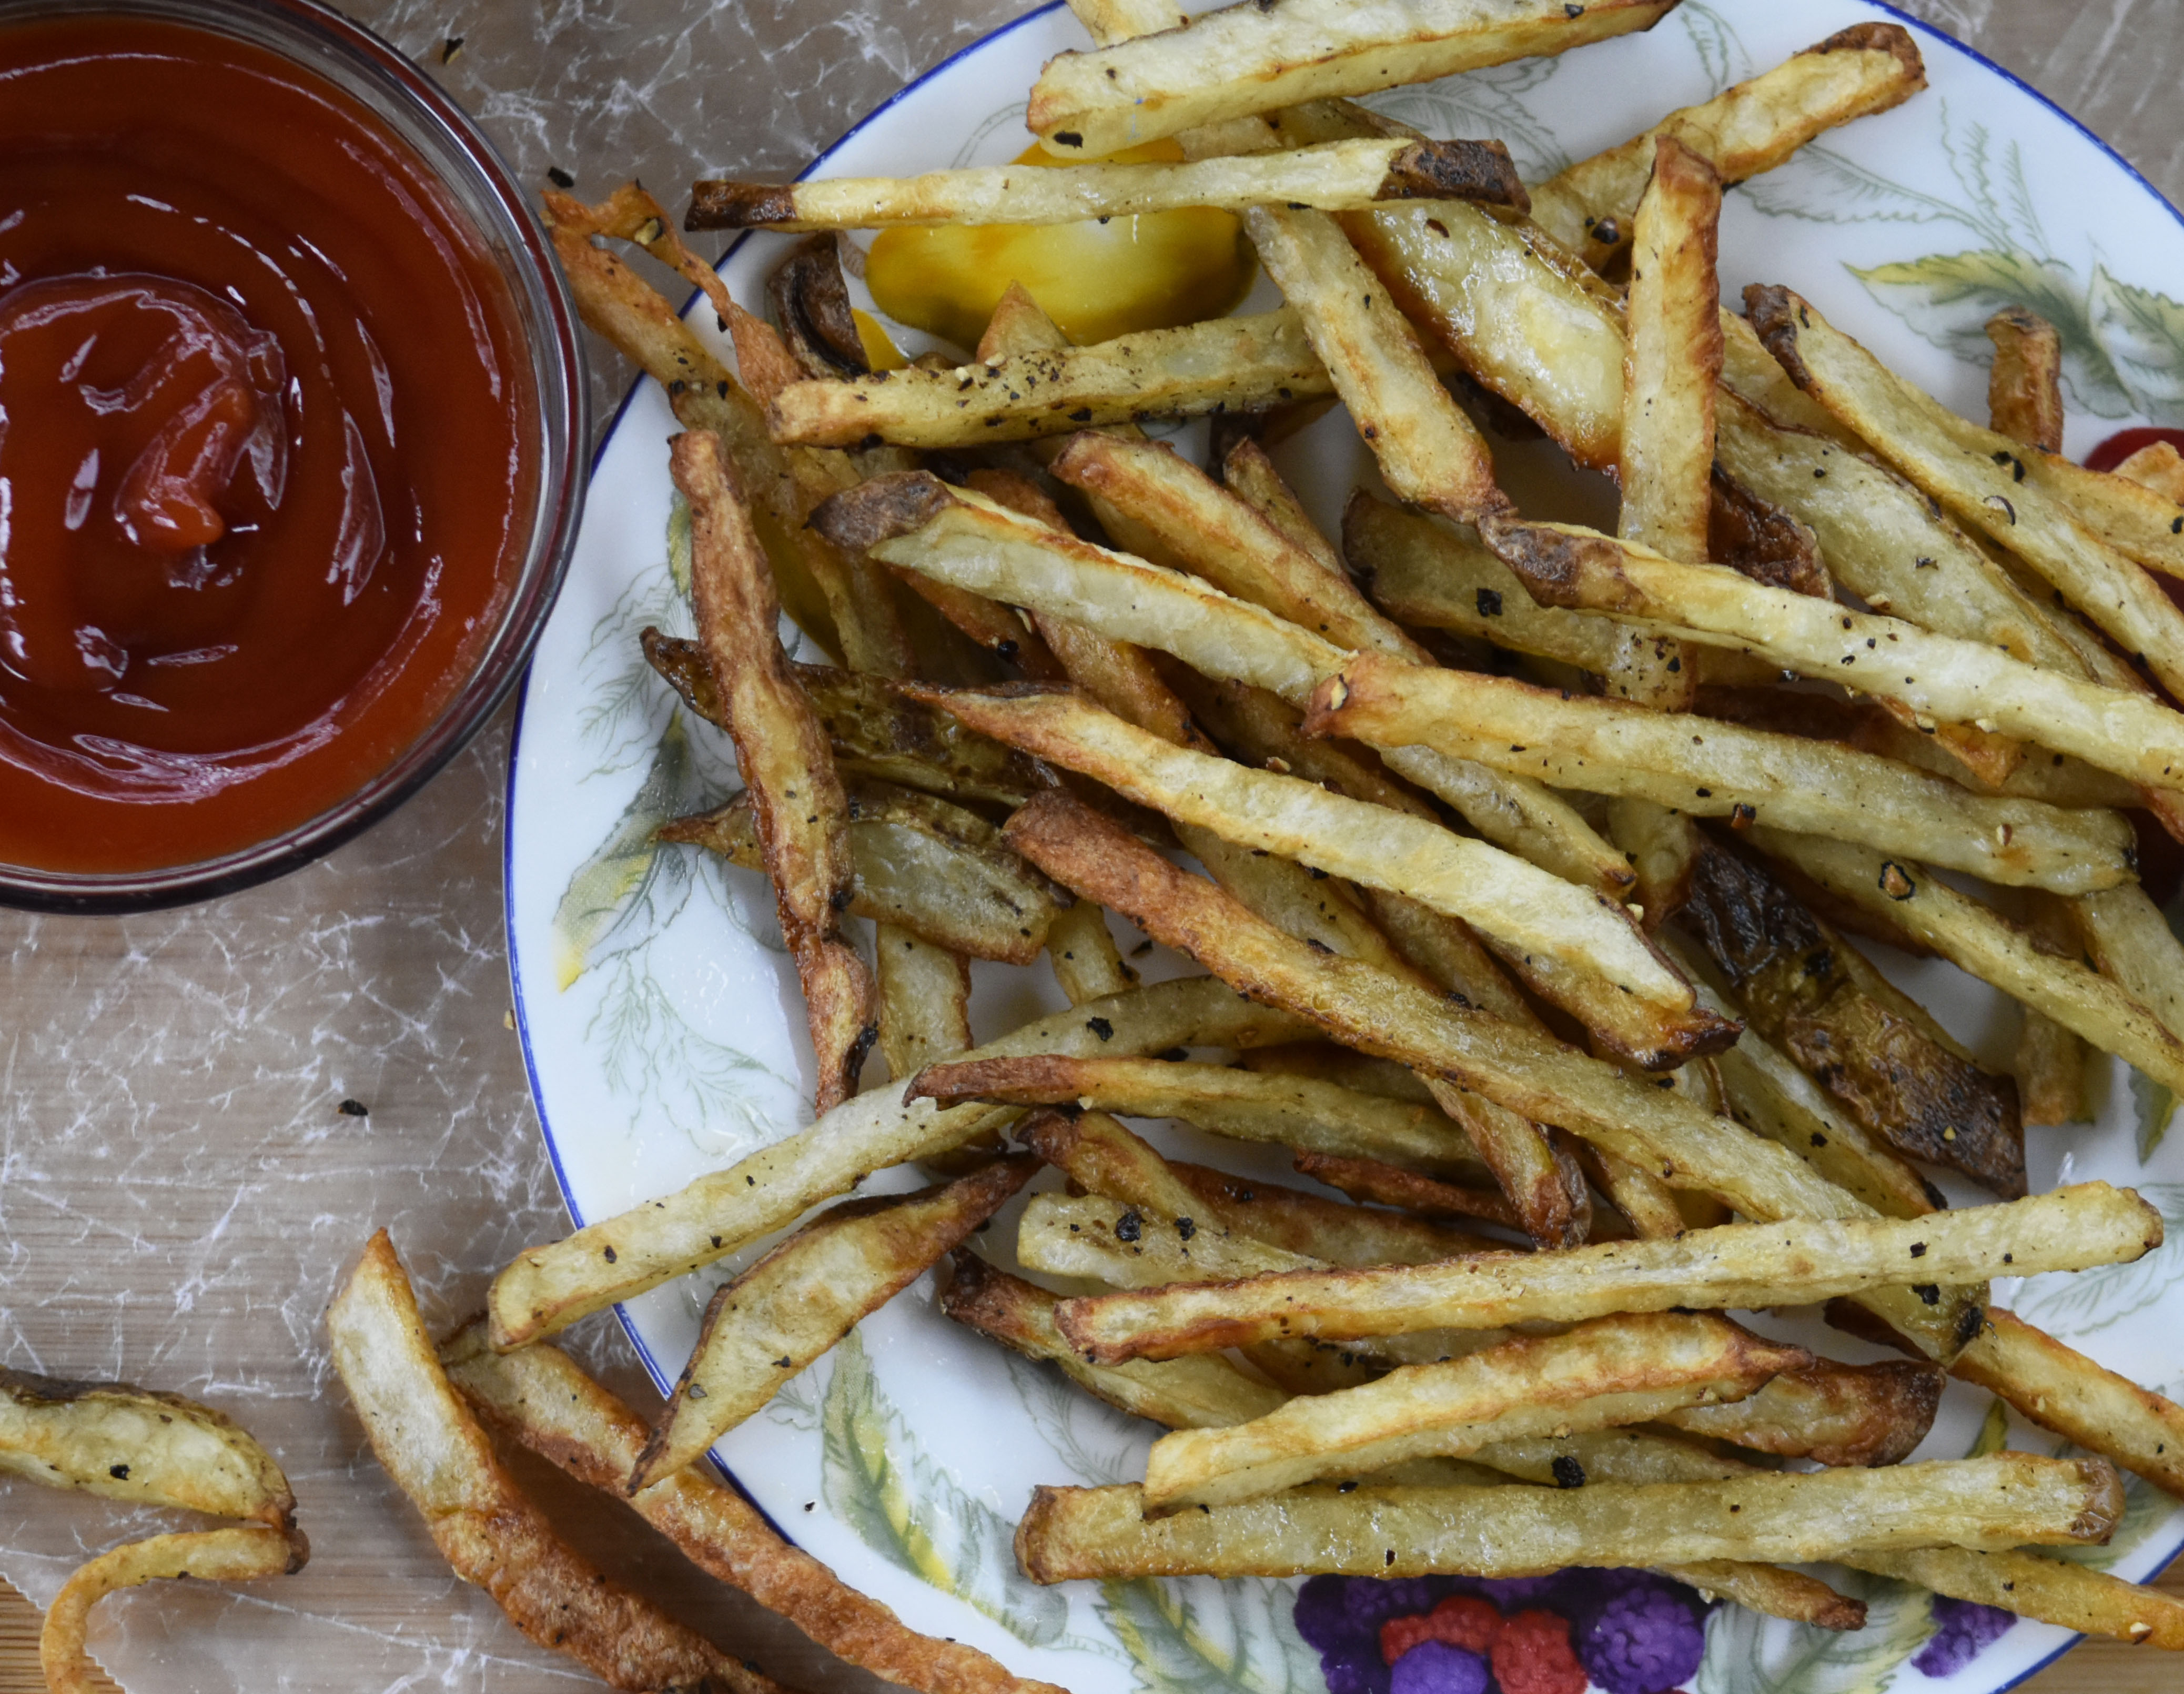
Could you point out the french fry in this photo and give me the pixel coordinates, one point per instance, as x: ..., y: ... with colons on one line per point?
x: 1661, y: 845
x: 487, y: 1530
x: 1247, y: 473
x: 2157, y: 465
x: 1835, y: 1414
x: 139, y: 1446
x: 230, y: 1555
x: 1264, y: 811
x: 2050, y: 1589
x: 875, y: 729
x: 1975, y: 938
x: 925, y: 1001
x: 1247, y: 364
x: 1235, y: 63
x: 2050, y: 1061
x: 2128, y: 940
x: 1284, y: 1111
x: 1368, y: 1180
x: 946, y: 533
x: 2025, y: 387
x: 1669, y: 374
x: 1789, y: 1262
x: 1332, y: 177
x: 2006, y: 1500
x: 1879, y: 1056
x: 918, y: 864
x: 541, y: 1399
x: 795, y: 1303
x: 1087, y: 963
x: 2060, y: 1389
x: 1985, y: 480
x: 1742, y: 132
x: 796, y: 795
x: 1610, y: 747
x: 1934, y: 676
x: 1341, y: 1234
x: 1201, y: 1392
x: 547, y: 1288
x: 1612, y: 1371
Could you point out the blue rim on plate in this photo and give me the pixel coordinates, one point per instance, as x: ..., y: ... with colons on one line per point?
x: 663, y: 1379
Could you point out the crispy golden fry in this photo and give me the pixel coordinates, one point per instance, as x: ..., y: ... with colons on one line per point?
x: 1373, y: 1180
x: 795, y: 1303
x: 1789, y: 1262
x: 1610, y: 747
x: 918, y: 864
x: 1113, y: 1241
x: 1975, y: 938
x: 2050, y: 1590
x: 1661, y: 845
x: 1249, y: 363
x: 1087, y: 963
x: 1741, y: 132
x: 1329, y: 1229
x: 1101, y: 1157
x: 1669, y: 374
x: 1429, y: 452
x: 1833, y: 1413
x: 1612, y: 1371
x: 1264, y: 811
x: 1935, y: 676
x: 1201, y: 1392
x: 1324, y: 1061
x: 1247, y: 473
x: 1240, y: 61
x: 2157, y: 465
x: 2025, y: 387
x: 487, y: 1529
x: 796, y: 796
x: 925, y: 1001
x: 2127, y: 939
x: 547, y: 1288
x: 541, y: 1398
x: 1987, y: 480
x: 2050, y: 1061
x: 921, y: 523
x: 2006, y: 1500
x: 1285, y: 1111
x: 230, y: 1555
x: 874, y: 728
x: 134, y: 1444
x: 1335, y: 176
x: 2060, y: 1389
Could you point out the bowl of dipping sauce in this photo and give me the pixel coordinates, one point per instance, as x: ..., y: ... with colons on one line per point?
x: 292, y: 414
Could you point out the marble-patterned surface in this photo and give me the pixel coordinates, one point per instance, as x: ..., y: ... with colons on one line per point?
x: 178, y: 1187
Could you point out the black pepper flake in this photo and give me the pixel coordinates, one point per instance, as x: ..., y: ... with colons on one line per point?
x: 1345, y: 1488
x: 1568, y: 1472
x: 1391, y: 1555
x: 2009, y: 1258
x: 1082, y: 415
x: 783, y: 1362
x: 558, y: 177
x: 1704, y: 794
x: 1490, y: 603
x: 1918, y: 1250
x: 449, y: 48
x: 1102, y: 1028
x: 1129, y: 1226
x: 1067, y: 138
x: 609, y: 1253
x: 1186, y: 1227
x: 353, y: 1108
x: 696, y: 1390
x: 1929, y: 1292
x: 1573, y: 10
x: 120, y: 1473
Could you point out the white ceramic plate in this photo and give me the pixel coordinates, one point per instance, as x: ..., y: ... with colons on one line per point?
x: 662, y: 1023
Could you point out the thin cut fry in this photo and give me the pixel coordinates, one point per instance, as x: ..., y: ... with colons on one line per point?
x: 1240, y: 61
x: 1982, y: 477
x: 1611, y: 1371
x: 2024, y: 387
x: 800, y: 1300
x: 1670, y: 375
x: 134, y: 1444
x: 1975, y: 938
x: 925, y: 1001
x: 1087, y: 963
x: 487, y: 1530
x: 1380, y: 1184
x: 1832, y: 1413
x: 1339, y: 175
x: 1741, y: 132
x: 547, y: 1288
x: 2006, y: 1500
x: 540, y: 1397
x: 1248, y: 363
x: 1935, y: 676
x: 230, y: 1555
x: 2129, y: 941
x: 1788, y: 1262
x: 782, y: 752
x: 1720, y: 769
x: 917, y: 863
x: 2091, y: 1602
x: 2050, y: 1061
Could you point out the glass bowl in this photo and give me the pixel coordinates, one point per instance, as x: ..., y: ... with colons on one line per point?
x: 321, y: 40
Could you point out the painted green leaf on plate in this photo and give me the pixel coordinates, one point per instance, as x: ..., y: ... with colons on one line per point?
x: 2085, y: 1301
x: 1748, y: 1654
x: 1207, y: 1637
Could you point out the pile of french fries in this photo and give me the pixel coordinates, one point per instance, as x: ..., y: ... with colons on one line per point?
x: 1523, y: 861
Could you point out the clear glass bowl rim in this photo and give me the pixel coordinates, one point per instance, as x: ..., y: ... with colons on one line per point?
x: 322, y: 41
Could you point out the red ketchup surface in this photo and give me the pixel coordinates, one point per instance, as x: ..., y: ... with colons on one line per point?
x: 266, y: 445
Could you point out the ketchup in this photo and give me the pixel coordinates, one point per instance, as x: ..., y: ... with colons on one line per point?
x: 266, y: 447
